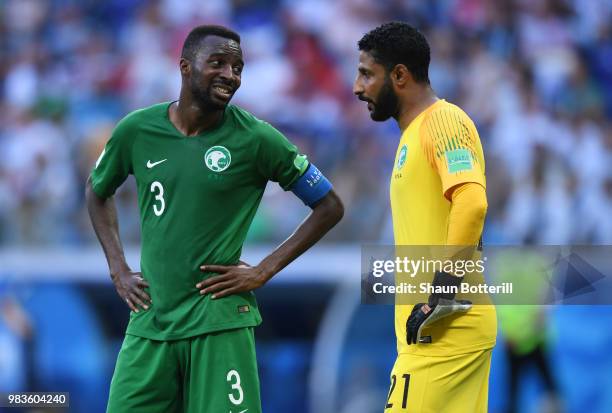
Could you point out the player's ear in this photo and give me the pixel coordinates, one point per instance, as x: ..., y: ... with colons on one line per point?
x: 185, y: 66
x: 400, y: 75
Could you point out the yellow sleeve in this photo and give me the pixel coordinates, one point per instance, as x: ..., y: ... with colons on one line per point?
x: 467, y: 215
x: 452, y: 146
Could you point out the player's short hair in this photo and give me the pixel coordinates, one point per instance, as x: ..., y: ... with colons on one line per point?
x: 197, y: 34
x: 399, y: 43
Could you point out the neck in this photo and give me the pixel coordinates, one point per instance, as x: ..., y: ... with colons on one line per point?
x: 191, y: 119
x: 412, y: 104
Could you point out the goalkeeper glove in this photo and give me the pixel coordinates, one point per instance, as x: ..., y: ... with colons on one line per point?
x: 439, y: 305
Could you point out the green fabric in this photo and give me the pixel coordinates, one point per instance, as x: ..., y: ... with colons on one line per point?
x: 214, y: 372
x: 197, y: 197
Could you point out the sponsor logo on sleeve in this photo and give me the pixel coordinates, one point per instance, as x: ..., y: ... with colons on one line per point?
x: 300, y: 162
x: 458, y: 160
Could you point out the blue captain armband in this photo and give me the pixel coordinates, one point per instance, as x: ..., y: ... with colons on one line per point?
x: 312, y: 186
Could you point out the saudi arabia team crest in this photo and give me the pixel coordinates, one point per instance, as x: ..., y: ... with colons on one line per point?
x: 217, y: 158
x: 401, y: 158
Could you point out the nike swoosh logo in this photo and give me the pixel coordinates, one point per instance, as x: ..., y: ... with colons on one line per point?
x: 152, y: 164
x: 241, y: 411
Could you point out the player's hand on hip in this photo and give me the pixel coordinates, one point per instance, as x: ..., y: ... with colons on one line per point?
x: 231, y: 279
x: 417, y: 317
x: 439, y: 305
x: 423, y: 315
x: 130, y: 287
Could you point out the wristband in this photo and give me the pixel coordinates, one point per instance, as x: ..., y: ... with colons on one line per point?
x: 449, y: 284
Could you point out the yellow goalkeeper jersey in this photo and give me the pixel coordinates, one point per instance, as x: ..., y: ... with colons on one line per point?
x: 437, y: 151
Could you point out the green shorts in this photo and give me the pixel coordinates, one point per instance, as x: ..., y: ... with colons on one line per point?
x: 211, y: 373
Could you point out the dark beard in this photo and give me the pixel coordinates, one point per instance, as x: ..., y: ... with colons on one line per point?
x: 386, y: 103
x: 203, y: 96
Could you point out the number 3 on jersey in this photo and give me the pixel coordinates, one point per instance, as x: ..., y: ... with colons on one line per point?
x: 158, y: 190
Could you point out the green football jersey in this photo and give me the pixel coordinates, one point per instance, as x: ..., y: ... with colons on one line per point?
x: 197, y: 198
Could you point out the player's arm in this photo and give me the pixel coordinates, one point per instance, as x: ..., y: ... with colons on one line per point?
x: 110, y: 171
x: 450, y: 142
x: 103, y: 215
x: 467, y: 214
x: 327, y: 210
x: 326, y: 213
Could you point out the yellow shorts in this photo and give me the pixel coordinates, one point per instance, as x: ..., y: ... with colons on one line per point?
x: 428, y: 384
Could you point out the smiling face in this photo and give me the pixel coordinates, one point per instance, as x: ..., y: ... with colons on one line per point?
x: 373, y: 85
x: 214, y: 74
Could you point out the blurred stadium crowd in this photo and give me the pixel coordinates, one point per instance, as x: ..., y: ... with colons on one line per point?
x: 535, y: 75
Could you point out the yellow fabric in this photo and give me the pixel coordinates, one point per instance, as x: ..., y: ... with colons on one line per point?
x: 454, y: 384
x: 467, y: 214
x: 425, y: 169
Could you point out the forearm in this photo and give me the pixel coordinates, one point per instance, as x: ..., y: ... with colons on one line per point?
x: 467, y: 215
x: 103, y: 215
x: 466, y: 220
x: 323, y: 217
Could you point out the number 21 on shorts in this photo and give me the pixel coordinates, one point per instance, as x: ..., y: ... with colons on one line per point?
x: 406, y: 380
